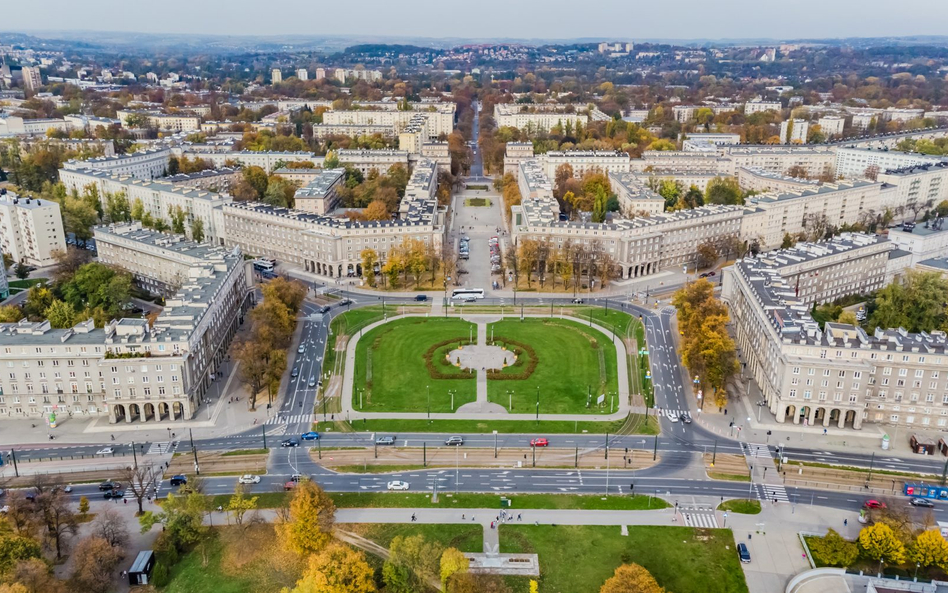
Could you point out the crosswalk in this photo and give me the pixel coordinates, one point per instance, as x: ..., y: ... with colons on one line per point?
x: 757, y: 450
x: 773, y: 492
x: 160, y: 448
x: 672, y: 413
x: 699, y: 518
x: 668, y: 310
x: 290, y: 419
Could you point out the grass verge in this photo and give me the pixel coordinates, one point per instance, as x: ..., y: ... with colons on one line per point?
x: 741, y: 506
x: 245, y: 452
x: 729, y: 477
x: 397, y: 426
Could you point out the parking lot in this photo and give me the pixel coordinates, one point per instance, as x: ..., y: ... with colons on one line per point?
x: 478, y: 224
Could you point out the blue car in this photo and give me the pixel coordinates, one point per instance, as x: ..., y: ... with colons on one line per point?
x: 309, y: 436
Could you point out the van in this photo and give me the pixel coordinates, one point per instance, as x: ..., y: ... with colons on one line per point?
x: 743, y: 553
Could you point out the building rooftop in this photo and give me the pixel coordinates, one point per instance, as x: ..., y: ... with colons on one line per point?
x: 319, y: 186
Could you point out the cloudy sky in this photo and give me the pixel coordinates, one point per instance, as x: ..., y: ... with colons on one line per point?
x: 613, y: 19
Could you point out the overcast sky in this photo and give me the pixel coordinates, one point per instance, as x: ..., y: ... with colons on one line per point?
x: 608, y: 19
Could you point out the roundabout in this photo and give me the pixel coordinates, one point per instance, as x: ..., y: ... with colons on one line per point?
x: 520, y: 368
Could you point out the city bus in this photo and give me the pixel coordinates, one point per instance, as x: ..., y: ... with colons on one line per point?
x: 467, y: 293
x: 263, y: 265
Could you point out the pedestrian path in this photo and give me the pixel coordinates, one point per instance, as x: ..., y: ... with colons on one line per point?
x: 758, y: 450
x: 699, y: 517
x: 669, y: 310
x: 160, y: 448
x: 283, y: 419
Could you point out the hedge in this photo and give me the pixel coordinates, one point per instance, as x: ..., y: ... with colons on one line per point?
x: 429, y: 360
x: 499, y: 375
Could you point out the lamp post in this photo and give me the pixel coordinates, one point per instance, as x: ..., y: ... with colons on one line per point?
x: 428, y: 391
x: 538, y: 403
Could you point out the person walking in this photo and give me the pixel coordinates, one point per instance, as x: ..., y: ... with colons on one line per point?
x: 413, y: 517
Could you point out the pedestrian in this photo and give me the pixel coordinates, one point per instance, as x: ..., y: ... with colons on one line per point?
x: 824, y: 432
x: 491, y: 524
x: 845, y: 522
x: 462, y: 516
x: 125, y: 500
x: 725, y: 411
x: 519, y: 518
x: 413, y: 517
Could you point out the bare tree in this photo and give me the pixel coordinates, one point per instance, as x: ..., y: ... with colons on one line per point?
x: 59, y: 519
x: 110, y: 526
x: 21, y: 513
x: 95, y: 563
x: 140, y: 481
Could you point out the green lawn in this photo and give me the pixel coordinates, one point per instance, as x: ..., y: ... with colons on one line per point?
x: 239, y: 452
x: 568, y: 367
x: 396, y: 426
x: 578, y: 559
x: 467, y: 538
x: 190, y: 575
x: 395, y: 376
x: 477, y: 202
x: 464, y: 500
x: 742, y: 506
x: 27, y: 283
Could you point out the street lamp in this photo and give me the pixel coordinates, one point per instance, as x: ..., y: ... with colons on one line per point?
x: 538, y: 403
x: 428, y: 391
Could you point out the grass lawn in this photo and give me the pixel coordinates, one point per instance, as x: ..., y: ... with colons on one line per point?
x: 629, y: 327
x: 568, y: 367
x: 467, y: 538
x: 477, y: 202
x: 578, y: 559
x: 27, y: 283
x: 402, y: 500
x: 742, y: 506
x: 729, y: 477
x: 191, y: 576
x: 396, y: 426
x: 245, y: 452
x: 395, y: 376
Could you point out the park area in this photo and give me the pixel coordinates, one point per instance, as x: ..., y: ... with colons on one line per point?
x: 403, y: 366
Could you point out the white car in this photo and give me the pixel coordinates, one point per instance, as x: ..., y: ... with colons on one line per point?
x: 397, y: 485
x: 105, y: 451
x: 672, y: 418
x: 249, y: 479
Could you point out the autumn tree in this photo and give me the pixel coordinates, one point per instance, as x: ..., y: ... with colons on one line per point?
x: 239, y: 504
x: 453, y: 561
x: 95, y: 561
x: 413, y: 562
x: 833, y: 550
x: 312, y: 514
x: 337, y: 569
x: 370, y: 258
x: 879, y: 542
x: 110, y: 526
x: 724, y: 190
x: 252, y: 356
x: 140, y: 480
x: 631, y: 578
x: 35, y: 576
x: 929, y: 549
x: 58, y: 518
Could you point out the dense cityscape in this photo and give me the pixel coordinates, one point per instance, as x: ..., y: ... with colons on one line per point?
x: 326, y: 314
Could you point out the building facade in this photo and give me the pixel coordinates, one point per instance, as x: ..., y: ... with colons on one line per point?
x: 31, y: 230
x: 146, y: 164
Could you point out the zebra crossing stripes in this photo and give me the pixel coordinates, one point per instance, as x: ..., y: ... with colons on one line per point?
x: 670, y: 413
x: 668, y: 310
x: 705, y: 519
x: 290, y: 419
x: 758, y: 450
x: 773, y: 492
x: 160, y: 448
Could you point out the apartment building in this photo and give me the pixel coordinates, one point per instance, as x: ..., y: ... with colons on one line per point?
x: 30, y: 230
x: 276, y: 76
x: 32, y: 78
x: 539, y: 117
x: 637, y: 247
x: 685, y: 113
x: 266, y: 160
x: 856, y: 163
x: 769, y: 217
x: 671, y: 161
x: 321, y: 194
x: 439, y: 116
x: 917, y: 188
x: 815, y: 161
x: 4, y: 283
x: 158, y: 198
x: 175, y: 122
x: 302, y: 74
x: 583, y: 161
x: 762, y: 180
x: 332, y: 247
x: 794, y: 131
x: 514, y: 153
x: 145, y: 164
x: 635, y: 197
x: 216, y: 180
x: 832, y: 125
x: 758, y: 106
x: 839, y: 374
x: 924, y: 242
x: 130, y: 370
x: 14, y: 125
x: 324, y: 130
x: 379, y: 161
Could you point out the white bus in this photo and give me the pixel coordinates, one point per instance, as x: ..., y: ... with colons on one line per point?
x: 263, y: 265
x: 467, y: 293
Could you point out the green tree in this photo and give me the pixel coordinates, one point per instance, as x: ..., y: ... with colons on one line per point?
x: 182, y: 516
x: 138, y: 209
x: 848, y: 317
x: 414, y: 558
x: 83, y: 505
x: 310, y: 522
x: 14, y: 548
x: 257, y: 179
x: 117, y: 208
x: 879, y: 542
x: 10, y: 314
x: 369, y: 258
x: 331, y: 161
x: 38, y: 300
x: 724, y: 190
x: 61, y: 315
x: 197, y: 230
x: 177, y: 220
x: 833, y: 550
x: 21, y: 271
x: 239, y: 505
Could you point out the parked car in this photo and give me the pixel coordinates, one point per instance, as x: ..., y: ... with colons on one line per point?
x: 455, y: 441
x: 921, y: 502
x: 540, y: 442
x: 249, y: 479
x: 712, y: 273
x: 703, y: 275
x: 178, y: 480
x: 310, y: 436
x: 387, y: 440
x: 743, y: 553
x: 109, y: 485
x: 289, y: 443
x: 874, y: 504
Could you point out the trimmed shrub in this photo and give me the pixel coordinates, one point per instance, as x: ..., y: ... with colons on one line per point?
x: 433, y: 370
x: 518, y: 348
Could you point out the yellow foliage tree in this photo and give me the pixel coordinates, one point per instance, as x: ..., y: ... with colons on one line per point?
x: 880, y: 542
x: 452, y: 561
x: 930, y: 549
x: 631, y: 578
x: 311, y: 517
x: 337, y: 569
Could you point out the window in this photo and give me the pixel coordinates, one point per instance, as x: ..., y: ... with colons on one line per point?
x: 796, y: 370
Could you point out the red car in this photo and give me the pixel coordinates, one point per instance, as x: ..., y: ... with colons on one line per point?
x: 873, y: 504
x: 541, y: 442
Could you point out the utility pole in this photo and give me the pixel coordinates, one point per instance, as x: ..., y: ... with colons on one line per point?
x: 424, y: 454
x: 16, y: 470
x: 655, y: 449
x: 134, y: 455
x: 538, y: 404
x: 197, y: 468
x: 714, y: 455
x: 607, y: 445
x: 428, y: 391
x: 495, y: 444
x: 263, y: 429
